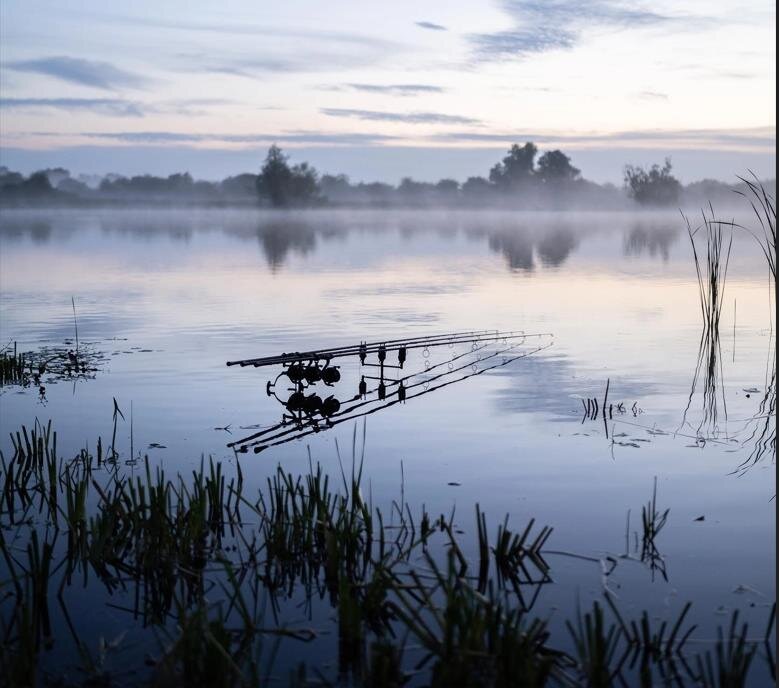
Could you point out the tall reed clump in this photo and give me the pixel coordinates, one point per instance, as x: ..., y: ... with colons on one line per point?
x: 764, y: 207
x: 762, y: 435
x: 711, y: 267
x: 13, y: 367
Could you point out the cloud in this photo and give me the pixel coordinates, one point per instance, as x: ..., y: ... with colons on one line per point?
x: 267, y: 49
x: 104, y: 106
x: 101, y: 75
x: 430, y: 26
x: 407, y: 117
x: 248, y: 29
x: 748, y: 138
x: 396, y: 89
x: 116, y: 107
x: 192, y: 107
x: 543, y: 25
x: 170, y: 137
x: 300, y: 62
x: 521, y: 42
x: 652, y: 95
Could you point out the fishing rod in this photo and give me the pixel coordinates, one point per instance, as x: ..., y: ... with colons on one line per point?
x: 370, y: 392
x: 305, y: 432
x: 285, y: 356
x: 339, y: 417
x: 381, y: 347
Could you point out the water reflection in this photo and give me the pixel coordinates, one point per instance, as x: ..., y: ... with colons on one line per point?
x: 654, y: 240
x: 15, y: 228
x: 547, y: 240
x: 759, y: 431
x: 555, y: 247
x: 278, y: 239
x: 517, y: 249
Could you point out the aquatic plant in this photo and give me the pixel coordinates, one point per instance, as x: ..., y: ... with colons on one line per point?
x: 468, y: 637
x: 729, y: 664
x: 711, y: 269
x: 204, y: 568
x: 599, y: 650
x: 712, y: 275
x: 48, y: 365
x: 764, y: 206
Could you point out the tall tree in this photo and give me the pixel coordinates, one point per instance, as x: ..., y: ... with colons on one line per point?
x: 555, y: 166
x: 516, y: 168
x: 655, y: 186
x: 304, y: 184
x: 275, y: 177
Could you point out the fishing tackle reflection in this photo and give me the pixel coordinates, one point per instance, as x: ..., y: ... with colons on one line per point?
x: 303, y: 385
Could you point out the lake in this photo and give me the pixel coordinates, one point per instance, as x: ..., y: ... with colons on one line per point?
x: 164, y: 298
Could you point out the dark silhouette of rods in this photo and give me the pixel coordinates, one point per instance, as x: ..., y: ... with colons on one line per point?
x: 416, y: 385
x: 473, y: 336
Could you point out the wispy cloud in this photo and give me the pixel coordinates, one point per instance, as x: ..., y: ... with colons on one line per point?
x: 521, y: 42
x: 430, y: 26
x: 104, y: 106
x: 396, y: 89
x: 652, y: 95
x: 277, y: 49
x: 249, y: 29
x: 753, y: 137
x: 170, y: 137
x: 116, y: 107
x: 192, y: 107
x: 542, y: 25
x: 102, y: 75
x: 406, y: 117
x: 301, y: 62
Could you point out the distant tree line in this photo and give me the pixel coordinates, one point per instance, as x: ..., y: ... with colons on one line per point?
x: 523, y: 179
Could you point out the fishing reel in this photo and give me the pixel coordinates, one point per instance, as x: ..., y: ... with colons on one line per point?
x: 310, y: 373
x: 300, y: 405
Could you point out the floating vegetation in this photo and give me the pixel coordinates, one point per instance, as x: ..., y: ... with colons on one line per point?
x: 49, y: 364
x: 604, y: 410
x: 203, y: 577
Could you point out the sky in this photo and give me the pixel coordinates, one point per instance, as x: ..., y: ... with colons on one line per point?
x: 384, y: 90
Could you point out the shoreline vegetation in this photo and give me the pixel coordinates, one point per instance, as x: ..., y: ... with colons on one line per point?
x: 203, y: 571
x: 522, y: 180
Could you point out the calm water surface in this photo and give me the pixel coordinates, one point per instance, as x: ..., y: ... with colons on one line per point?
x: 170, y: 296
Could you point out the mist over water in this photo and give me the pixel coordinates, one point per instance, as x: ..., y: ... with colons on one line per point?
x: 170, y: 296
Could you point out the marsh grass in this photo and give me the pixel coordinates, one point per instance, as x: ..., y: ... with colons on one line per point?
x: 729, y: 664
x: 652, y: 522
x: 764, y: 208
x: 711, y: 264
x: 711, y: 267
x: 205, y: 572
x: 600, y: 653
x: 470, y: 638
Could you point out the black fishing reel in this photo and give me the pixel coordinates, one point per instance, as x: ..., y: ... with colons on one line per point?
x: 310, y: 373
x: 311, y: 405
